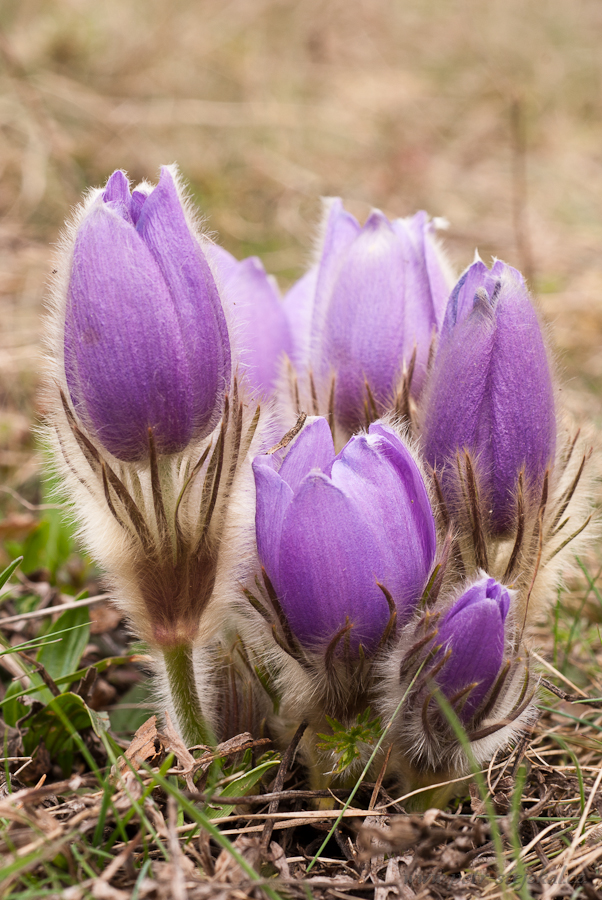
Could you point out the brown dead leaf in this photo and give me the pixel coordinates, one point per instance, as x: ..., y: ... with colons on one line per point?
x: 173, y: 743
x: 227, y: 869
x: 133, y: 788
x: 476, y: 804
x: 369, y: 842
x: 237, y: 744
x: 103, y: 891
x: 375, y: 841
x: 420, y: 833
x: 278, y: 859
x: 104, y: 617
x: 146, y: 745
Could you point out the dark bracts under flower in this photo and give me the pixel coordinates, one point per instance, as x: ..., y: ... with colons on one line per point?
x: 173, y: 547
x: 162, y: 531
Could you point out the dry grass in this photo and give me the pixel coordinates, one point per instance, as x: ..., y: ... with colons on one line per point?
x: 489, y: 114
x: 486, y: 114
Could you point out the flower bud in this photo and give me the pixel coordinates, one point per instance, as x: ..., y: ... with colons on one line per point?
x: 145, y: 342
x: 491, y: 390
x: 379, y: 296
x: 254, y: 302
x: 472, y: 639
x: 140, y: 348
x: 334, y: 531
x: 469, y: 654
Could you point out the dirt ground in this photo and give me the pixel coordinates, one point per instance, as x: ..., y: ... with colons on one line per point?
x: 489, y: 115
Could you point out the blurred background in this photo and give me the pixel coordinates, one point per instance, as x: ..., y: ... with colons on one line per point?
x: 487, y: 114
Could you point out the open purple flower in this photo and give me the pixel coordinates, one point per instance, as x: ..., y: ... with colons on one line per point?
x: 256, y: 308
x: 376, y: 296
x: 146, y: 344
x: 473, y: 633
x: 330, y: 529
x: 491, y: 389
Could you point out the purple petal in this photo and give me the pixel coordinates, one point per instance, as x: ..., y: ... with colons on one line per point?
x: 461, y: 301
x: 391, y: 500
x: 298, y: 306
x: 522, y: 397
x: 313, y: 448
x: 138, y: 201
x: 321, y: 576
x: 438, y: 280
x: 504, y: 413
x: 461, y: 419
x: 430, y: 291
x: 420, y: 319
x: 117, y: 195
x: 364, y: 328
x: 340, y: 231
x: 264, y: 330
x: 223, y: 262
x: 474, y: 630
x: 125, y: 359
x: 397, y: 454
x: 162, y: 226
x: 273, y: 497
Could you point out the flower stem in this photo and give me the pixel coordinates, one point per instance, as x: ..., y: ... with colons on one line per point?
x: 182, y: 687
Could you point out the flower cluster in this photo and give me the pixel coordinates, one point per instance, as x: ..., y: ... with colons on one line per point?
x: 341, y: 506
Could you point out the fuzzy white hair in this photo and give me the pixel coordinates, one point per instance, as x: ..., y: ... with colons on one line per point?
x: 136, y: 517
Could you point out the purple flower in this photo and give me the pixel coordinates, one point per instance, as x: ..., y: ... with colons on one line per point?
x: 491, y: 390
x: 146, y: 344
x: 298, y: 306
x: 377, y: 294
x: 330, y: 528
x: 473, y: 632
x: 254, y: 301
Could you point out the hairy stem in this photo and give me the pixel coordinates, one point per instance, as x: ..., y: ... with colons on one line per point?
x: 182, y: 688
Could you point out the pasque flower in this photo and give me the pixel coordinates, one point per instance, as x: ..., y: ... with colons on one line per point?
x: 150, y: 427
x: 375, y: 301
x: 332, y: 529
x: 472, y: 641
x: 465, y: 651
x: 145, y: 342
x: 491, y: 389
x: 262, y: 330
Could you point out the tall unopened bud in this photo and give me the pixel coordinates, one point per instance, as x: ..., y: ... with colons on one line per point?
x: 491, y: 390
x: 152, y: 427
x: 365, y: 322
x: 146, y: 344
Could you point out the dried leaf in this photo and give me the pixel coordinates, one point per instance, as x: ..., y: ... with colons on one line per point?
x: 237, y: 744
x: 476, y: 804
x: 227, y: 869
x: 173, y: 743
x: 146, y: 745
x: 104, y: 617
